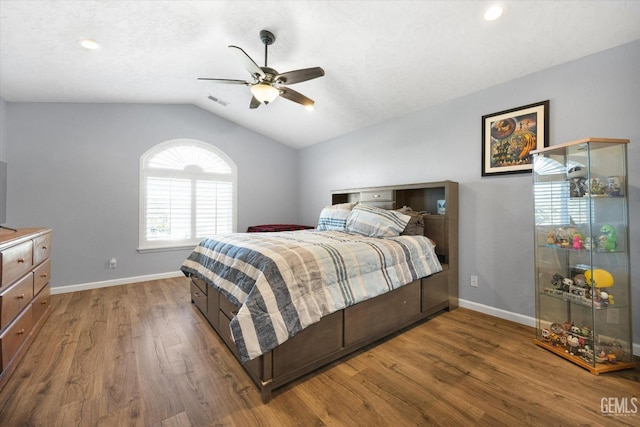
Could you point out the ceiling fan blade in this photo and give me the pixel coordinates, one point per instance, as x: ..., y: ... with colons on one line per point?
x: 248, y: 63
x: 254, y: 102
x: 226, y: 81
x: 298, y: 76
x: 294, y: 96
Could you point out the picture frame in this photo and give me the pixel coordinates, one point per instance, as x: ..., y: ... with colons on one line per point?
x: 509, y: 136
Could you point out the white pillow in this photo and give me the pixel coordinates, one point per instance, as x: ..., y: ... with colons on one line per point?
x: 334, y: 217
x: 375, y: 222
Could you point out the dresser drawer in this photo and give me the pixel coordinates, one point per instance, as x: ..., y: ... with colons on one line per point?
x: 15, y: 335
x: 14, y: 299
x: 41, y: 303
x: 41, y: 248
x: 16, y: 261
x: 41, y: 276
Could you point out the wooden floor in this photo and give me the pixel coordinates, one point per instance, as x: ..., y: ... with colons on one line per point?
x: 142, y: 355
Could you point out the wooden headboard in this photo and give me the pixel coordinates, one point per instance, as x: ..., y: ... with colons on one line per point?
x: 442, y: 228
x: 439, y: 227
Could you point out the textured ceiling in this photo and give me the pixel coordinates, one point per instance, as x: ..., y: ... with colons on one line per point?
x: 382, y: 59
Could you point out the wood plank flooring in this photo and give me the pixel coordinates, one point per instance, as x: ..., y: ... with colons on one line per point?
x: 142, y: 355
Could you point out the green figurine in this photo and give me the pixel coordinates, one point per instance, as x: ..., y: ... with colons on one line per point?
x: 608, y: 238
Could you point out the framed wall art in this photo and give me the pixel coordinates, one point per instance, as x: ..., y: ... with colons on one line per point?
x: 508, y: 138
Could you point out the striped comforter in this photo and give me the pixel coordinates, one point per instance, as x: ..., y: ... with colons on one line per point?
x: 284, y: 282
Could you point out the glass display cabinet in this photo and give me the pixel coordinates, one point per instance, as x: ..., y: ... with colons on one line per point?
x: 583, y: 306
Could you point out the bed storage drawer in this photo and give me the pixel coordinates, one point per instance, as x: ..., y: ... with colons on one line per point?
x: 311, y: 344
x: 199, y: 298
x: 435, y: 292
x: 213, y: 308
x: 375, y: 317
x: 200, y: 284
x: 229, y: 309
x: 253, y: 367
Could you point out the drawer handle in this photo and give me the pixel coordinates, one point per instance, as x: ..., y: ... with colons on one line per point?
x: 20, y: 332
x: 21, y: 296
x: 43, y: 275
x: 20, y: 260
x: 376, y: 196
x: 196, y: 294
x: 234, y: 312
x: 43, y: 302
x: 45, y: 247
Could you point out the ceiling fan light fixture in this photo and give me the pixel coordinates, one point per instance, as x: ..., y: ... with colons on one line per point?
x: 264, y: 93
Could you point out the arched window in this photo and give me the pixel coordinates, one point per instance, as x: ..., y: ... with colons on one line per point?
x: 187, y: 192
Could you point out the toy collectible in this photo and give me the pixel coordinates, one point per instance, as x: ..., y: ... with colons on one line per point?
x: 607, y: 238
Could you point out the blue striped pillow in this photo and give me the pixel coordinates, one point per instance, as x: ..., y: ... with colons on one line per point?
x: 375, y: 222
x: 334, y: 217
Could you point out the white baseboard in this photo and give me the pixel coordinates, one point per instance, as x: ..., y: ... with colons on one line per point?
x: 514, y: 317
x: 116, y: 282
x: 492, y: 311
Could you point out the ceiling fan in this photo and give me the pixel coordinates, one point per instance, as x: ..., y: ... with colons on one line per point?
x: 267, y: 83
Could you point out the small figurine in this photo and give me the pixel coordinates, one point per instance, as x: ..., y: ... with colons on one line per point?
x: 608, y: 238
x: 580, y: 280
x: 613, y: 186
x: 587, y: 243
x: 574, y: 344
x: 577, y: 181
x: 556, y: 280
x: 557, y: 328
x: 577, y: 242
x: 596, y: 186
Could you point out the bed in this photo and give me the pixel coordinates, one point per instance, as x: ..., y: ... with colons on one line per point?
x: 287, y: 303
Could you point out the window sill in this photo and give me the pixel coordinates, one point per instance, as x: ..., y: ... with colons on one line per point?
x: 147, y: 250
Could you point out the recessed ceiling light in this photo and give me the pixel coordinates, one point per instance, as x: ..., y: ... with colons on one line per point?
x: 493, y: 13
x: 89, y: 44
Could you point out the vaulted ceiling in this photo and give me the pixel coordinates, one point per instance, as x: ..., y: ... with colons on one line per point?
x: 382, y: 59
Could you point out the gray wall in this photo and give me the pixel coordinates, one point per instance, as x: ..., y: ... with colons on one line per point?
x: 3, y: 130
x: 75, y: 168
x: 594, y: 96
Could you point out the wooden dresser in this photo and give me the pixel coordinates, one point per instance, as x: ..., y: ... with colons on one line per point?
x: 24, y: 292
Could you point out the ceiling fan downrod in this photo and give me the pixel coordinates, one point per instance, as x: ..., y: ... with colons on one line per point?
x: 267, y: 38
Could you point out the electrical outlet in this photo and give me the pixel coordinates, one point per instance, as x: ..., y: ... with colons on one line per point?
x: 474, y: 281
x: 113, y: 263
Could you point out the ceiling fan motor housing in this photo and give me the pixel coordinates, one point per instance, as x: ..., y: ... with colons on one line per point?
x: 267, y: 37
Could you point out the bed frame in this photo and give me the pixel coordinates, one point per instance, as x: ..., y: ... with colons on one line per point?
x: 355, y: 327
